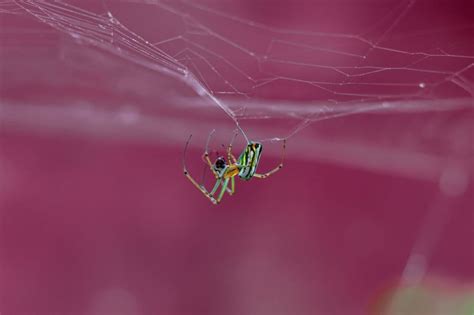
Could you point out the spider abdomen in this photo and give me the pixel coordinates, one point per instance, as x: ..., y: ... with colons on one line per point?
x: 249, y: 159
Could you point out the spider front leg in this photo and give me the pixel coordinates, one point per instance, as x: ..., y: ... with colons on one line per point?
x: 205, y: 156
x: 192, y: 180
x: 201, y: 188
x: 230, y: 157
x: 276, y: 169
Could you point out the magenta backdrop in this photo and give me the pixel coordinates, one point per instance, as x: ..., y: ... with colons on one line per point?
x: 97, y: 218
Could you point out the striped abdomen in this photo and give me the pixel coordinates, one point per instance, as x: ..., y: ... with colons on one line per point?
x: 248, y: 160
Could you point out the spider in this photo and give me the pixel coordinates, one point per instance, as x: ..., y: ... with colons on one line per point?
x: 225, y: 171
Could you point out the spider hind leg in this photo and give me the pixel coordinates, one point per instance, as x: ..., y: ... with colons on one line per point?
x: 276, y: 169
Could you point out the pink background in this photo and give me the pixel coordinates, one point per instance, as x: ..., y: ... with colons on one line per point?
x: 97, y: 218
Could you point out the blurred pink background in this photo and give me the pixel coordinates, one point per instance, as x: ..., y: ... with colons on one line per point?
x: 372, y: 213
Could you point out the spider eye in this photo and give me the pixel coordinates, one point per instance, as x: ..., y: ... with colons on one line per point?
x: 220, y: 162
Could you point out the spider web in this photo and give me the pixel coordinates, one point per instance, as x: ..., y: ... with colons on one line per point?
x: 341, y: 82
x: 273, y: 85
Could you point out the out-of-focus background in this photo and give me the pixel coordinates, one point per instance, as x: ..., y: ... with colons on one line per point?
x: 372, y: 213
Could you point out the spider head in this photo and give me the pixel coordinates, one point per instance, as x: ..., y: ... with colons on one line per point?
x: 219, y: 164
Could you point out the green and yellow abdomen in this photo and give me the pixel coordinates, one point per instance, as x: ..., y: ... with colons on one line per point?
x: 248, y: 160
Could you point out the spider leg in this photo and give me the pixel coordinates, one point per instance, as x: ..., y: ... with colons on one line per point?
x: 232, y: 186
x: 209, y: 139
x: 205, y: 156
x: 223, y: 190
x: 230, y: 156
x: 216, y: 186
x: 231, y: 190
x: 201, y: 188
x: 276, y: 169
x: 188, y: 176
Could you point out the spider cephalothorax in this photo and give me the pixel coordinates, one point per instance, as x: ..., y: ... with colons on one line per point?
x: 219, y: 164
x: 245, y: 167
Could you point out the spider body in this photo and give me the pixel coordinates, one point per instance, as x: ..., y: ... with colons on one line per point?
x: 248, y: 160
x: 225, y: 171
